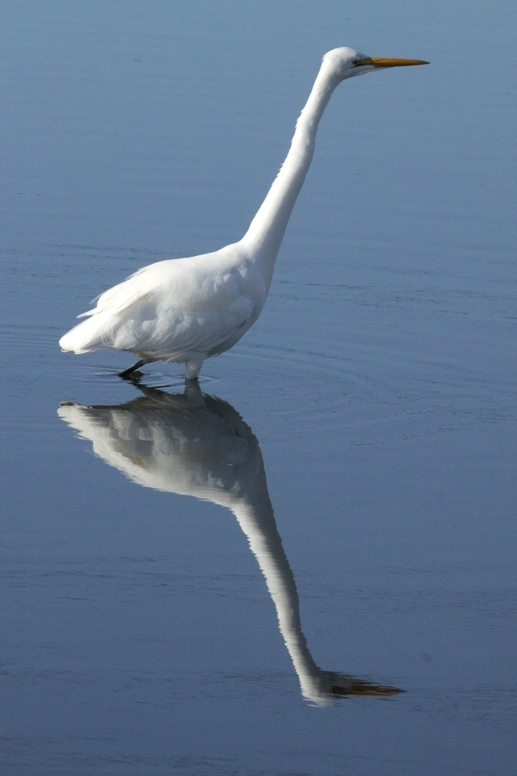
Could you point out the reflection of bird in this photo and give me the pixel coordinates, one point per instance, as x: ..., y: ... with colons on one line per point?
x: 199, y: 446
x: 185, y: 310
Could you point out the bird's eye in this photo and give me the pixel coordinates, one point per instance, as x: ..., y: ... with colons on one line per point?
x: 361, y: 61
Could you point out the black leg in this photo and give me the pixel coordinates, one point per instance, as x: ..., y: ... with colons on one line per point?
x: 132, y: 369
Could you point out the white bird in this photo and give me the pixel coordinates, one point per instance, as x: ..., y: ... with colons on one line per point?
x: 186, y: 310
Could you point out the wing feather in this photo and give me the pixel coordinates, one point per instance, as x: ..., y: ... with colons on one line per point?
x: 172, y: 307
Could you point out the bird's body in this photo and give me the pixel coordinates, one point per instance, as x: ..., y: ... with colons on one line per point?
x: 211, y: 301
x: 186, y: 310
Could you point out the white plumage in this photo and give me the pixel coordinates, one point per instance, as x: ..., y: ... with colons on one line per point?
x: 186, y: 310
x: 181, y: 310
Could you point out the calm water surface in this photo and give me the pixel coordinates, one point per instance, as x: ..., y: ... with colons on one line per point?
x: 311, y: 570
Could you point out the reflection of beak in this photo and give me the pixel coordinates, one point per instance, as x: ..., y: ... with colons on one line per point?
x: 387, y: 62
x: 362, y: 687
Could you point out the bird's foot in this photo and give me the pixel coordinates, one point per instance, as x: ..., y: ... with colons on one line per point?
x: 132, y: 372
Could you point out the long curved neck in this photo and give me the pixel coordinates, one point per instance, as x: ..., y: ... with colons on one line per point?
x: 267, y: 229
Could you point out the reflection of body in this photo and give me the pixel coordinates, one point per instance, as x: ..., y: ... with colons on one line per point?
x: 197, y: 445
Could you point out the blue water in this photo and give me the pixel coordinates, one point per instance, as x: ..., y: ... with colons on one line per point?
x: 314, y: 571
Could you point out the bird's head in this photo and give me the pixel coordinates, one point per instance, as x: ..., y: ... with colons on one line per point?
x: 347, y: 62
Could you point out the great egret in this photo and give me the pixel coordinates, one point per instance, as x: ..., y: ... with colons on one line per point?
x: 186, y: 310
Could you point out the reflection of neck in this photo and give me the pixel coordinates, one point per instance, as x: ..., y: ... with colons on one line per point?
x: 255, y: 516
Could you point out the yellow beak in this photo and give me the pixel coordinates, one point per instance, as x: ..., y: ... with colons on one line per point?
x: 387, y: 62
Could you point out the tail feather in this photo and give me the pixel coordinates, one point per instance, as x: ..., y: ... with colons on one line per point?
x: 88, y: 335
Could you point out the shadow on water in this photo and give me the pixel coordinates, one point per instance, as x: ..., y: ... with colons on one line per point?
x: 197, y: 445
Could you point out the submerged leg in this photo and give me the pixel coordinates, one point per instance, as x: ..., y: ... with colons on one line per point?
x: 126, y: 372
